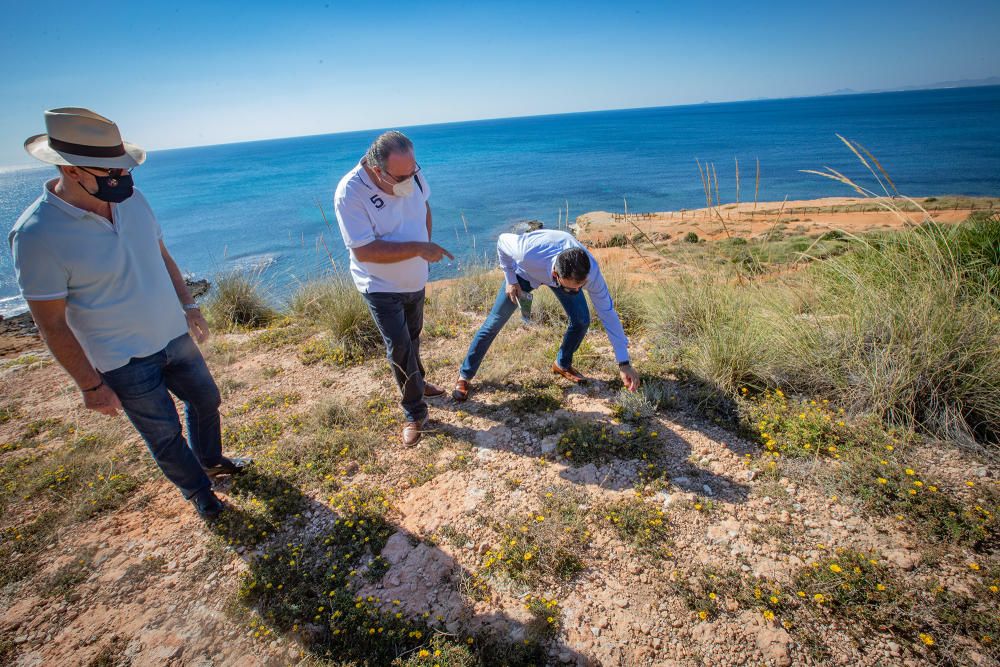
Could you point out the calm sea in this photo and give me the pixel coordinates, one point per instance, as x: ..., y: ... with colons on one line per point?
x: 257, y: 204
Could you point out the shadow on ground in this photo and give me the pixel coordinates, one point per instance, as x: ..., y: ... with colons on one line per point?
x: 531, y: 421
x: 349, y: 585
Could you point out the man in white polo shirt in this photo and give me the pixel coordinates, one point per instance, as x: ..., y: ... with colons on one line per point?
x: 384, y: 217
x: 111, y: 304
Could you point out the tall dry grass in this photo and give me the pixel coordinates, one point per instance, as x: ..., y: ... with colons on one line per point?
x: 335, y: 305
x: 905, y: 325
x: 237, y: 301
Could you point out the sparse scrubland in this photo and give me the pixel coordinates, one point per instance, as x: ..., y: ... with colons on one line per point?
x: 807, y: 476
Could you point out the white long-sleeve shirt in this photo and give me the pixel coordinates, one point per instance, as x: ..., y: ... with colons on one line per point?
x: 533, y: 257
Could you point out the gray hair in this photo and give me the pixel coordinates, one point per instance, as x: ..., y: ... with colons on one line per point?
x: 385, y: 145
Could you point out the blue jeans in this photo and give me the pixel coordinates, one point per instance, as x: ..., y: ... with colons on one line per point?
x: 576, y: 309
x: 144, y: 385
x: 399, y: 317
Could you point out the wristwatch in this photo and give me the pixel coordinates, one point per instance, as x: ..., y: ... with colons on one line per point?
x: 623, y: 364
x: 191, y: 306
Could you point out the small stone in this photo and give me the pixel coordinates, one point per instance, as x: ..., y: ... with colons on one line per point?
x: 773, y: 643
x: 906, y: 560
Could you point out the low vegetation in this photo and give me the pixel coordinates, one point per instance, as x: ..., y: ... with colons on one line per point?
x: 903, y: 326
x: 817, y: 381
x: 237, y: 302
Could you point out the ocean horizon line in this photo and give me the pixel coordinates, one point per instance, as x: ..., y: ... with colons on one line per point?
x: 759, y: 100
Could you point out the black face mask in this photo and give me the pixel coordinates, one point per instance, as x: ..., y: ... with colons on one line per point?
x: 112, y: 189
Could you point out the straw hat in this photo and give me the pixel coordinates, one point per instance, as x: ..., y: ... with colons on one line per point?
x: 83, y: 138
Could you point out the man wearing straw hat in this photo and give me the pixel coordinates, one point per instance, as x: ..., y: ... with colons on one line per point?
x: 111, y: 304
x: 384, y: 217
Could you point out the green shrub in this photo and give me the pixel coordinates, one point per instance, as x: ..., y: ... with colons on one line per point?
x: 719, y: 331
x: 691, y: 237
x: 628, y: 298
x: 796, y: 427
x: 857, y: 587
x: 546, y: 621
x: 588, y: 442
x: 542, y: 545
x: 904, y: 325
x: 887, y: 486
x: 237, y: 302
x: 616, y: 241
x: 335, y: 305
x: 639, y: 524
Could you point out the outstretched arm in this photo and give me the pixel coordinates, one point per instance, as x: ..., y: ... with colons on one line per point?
x: 388, y: 252
x: 600, y: 297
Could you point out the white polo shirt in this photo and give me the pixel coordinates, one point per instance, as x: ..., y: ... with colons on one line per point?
x: 120, y: 302
x: 365, y: 213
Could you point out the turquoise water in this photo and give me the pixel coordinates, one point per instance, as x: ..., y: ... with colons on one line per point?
x: 258, y: 204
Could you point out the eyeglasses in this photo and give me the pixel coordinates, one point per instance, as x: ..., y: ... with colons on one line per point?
x: 400, y: 179
x: 114, y: 172
x: 568, y: 290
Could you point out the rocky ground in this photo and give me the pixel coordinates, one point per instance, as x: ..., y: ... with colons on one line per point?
x: 145, y: 582
x: 537, y: 523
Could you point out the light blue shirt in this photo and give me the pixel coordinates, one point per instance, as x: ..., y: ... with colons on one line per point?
x: 533, y: 257
x: 120, y: 302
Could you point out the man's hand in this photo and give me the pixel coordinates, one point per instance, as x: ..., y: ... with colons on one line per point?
x: 197, y: 325
x: 102, y: 400
x: 514, y: 292
x: 629, y: 377
x: 432, y: 252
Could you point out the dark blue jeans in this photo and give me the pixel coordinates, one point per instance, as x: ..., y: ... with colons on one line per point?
x: 576, y: 309
x: 399, y: 317
x: 144, y: 385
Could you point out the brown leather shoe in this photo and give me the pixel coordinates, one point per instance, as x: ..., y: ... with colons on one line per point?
x: 432, y: 390
x: 570, y: 374
x: 412, y: 432
x: 461, y: 390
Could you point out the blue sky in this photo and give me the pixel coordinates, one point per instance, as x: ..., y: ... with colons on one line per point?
x: 191, y: 73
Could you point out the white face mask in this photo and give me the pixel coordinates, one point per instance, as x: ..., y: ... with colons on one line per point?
x: 404, y: 189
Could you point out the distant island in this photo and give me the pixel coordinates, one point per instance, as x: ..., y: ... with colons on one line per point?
x: 958, y: 83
